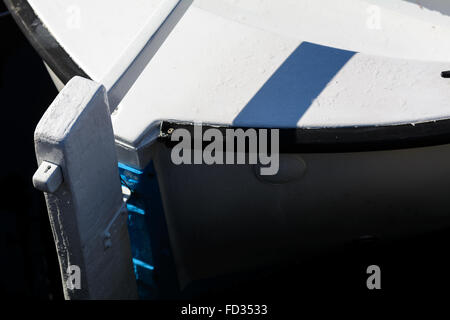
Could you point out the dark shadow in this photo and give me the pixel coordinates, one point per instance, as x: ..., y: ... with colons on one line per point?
x: 28, y: 262
x: 289, y: 92
x: 442, y: 6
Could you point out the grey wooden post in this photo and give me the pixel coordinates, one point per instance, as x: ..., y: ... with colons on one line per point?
x: 78, y: 173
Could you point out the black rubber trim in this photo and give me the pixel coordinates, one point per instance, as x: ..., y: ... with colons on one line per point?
x: 43, y: 41
x: 347, y: 139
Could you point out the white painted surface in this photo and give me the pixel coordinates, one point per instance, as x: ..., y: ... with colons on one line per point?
x: 86, y: 210
x: 224, y: 219
x: 48, y: 177
x: 223, y: 67
x: 95, y: 33
x: 224, y: 52
x: 402, y: 29
x: 129, y: 65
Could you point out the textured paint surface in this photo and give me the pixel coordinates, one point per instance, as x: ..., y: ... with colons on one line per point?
x: 237, y: 62
x: 232, y: 73
x: 85, y: 213
x: 94, y: 33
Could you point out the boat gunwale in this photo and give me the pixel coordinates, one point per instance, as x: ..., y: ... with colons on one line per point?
x: 48, y: 48
x: 322, y: 140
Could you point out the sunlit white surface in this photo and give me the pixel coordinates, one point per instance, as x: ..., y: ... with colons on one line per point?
x: 94, y: 32
x: 226, y: 55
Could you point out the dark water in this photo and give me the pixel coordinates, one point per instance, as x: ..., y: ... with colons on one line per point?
x: 28, y: 263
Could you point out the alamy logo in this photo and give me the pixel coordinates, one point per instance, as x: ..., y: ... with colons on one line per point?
x: 374, y: 280
x: 373, y: 21
x: 73, y: 277
x: 228, y: 148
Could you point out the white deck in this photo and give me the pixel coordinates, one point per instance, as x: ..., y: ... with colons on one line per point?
x: 269, y: 63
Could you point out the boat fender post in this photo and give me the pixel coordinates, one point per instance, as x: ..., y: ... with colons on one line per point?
x: 76, y: 155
